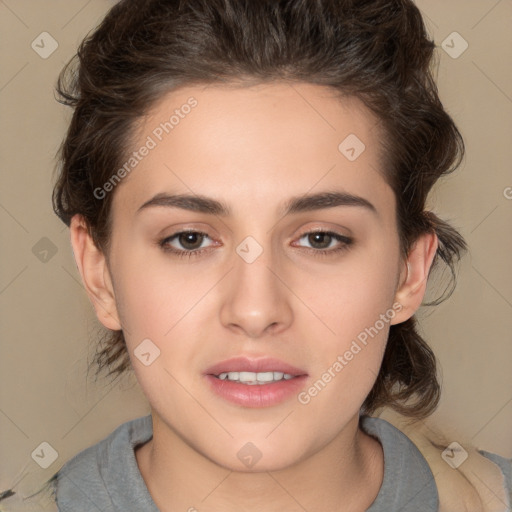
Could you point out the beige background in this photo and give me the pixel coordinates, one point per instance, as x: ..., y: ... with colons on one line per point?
x: 48, y: 327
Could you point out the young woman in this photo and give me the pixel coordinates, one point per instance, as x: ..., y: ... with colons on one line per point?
x: 245, y: 185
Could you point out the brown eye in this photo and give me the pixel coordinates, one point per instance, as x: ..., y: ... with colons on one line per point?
x: 322, y: 241
x: 190, y: 240
x: 186, y: 243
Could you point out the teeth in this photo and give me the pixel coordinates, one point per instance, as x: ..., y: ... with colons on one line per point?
x: 253, y: 378
x: 269, y: 376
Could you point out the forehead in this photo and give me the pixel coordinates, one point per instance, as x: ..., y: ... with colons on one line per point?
x: 261, y: 143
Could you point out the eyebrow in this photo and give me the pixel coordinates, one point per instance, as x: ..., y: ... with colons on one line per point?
x: 304, y: 203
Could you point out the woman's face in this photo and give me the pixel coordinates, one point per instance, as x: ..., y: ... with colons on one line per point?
x: 253, y: 281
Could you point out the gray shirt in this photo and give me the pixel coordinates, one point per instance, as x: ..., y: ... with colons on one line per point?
x: 105, y: 477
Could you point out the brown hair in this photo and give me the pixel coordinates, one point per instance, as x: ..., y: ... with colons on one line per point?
x: 375, y: 50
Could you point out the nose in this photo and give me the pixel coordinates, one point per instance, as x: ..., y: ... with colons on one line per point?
x: 256, y: 302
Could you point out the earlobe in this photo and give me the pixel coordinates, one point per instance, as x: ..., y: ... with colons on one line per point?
x: 95, y: 274
x: 412, y: 287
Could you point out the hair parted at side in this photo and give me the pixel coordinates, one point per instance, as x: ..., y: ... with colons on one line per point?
x: 375, y: 50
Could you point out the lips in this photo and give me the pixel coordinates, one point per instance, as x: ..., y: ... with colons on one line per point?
x: 252, y: 394
x: 246, y: 364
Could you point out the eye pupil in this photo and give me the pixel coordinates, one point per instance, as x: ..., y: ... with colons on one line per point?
x: 187, y: 240
x: 321, y: 236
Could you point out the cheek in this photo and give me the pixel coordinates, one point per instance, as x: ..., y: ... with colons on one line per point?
x: 354, y: 310
x: 351, y: 297
x: 347, y: 363
x: 153, y: 293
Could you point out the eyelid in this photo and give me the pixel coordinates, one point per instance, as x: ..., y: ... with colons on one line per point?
x: 323, y: 229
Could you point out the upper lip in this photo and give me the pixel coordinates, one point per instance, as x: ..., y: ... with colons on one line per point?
x: 247, y: 364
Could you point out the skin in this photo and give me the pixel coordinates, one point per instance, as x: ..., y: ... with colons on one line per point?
x: 254, y: 148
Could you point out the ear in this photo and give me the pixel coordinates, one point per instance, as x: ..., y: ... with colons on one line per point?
x: 92, y: 265
x: 414, y: 275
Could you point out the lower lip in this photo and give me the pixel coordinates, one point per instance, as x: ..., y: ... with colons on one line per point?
x: 257, y: 395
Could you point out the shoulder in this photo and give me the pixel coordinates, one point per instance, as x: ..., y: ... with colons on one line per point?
x: 468, y: 479
x: 408, y: 483
x: 505, y: 465
x: 91, y: 478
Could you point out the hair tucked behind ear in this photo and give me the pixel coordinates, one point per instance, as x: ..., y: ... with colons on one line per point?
x: 375, y: 50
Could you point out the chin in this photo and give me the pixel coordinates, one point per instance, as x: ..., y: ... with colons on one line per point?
x: 249, y: 457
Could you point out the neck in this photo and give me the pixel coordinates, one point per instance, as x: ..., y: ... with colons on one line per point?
x: 344, y: 475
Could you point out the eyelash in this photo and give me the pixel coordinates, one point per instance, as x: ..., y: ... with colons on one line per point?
x: 346, y: 241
